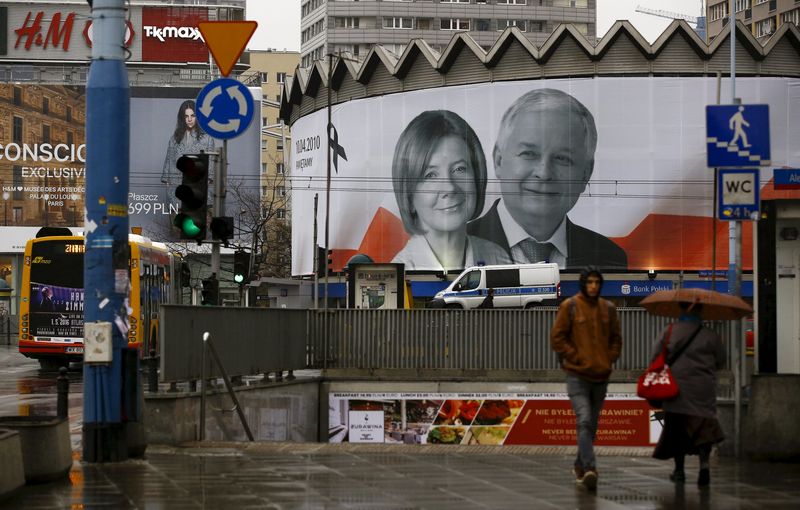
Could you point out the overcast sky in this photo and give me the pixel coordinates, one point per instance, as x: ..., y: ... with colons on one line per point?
x: 279, y: 20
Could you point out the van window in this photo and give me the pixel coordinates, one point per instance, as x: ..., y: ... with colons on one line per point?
x: 470, y: 280
x: 502, y: 278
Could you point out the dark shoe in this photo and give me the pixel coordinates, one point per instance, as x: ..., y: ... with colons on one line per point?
x: 590, y: 480
x: 704, y: 478
x: 678, y: 476
x: 579, y: 474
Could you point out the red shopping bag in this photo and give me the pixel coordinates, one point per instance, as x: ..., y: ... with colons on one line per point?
x: 657, y: 384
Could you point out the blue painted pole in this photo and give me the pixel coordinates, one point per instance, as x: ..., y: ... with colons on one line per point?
x: 106, y: 277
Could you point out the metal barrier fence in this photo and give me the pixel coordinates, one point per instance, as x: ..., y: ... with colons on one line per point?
x: 461, y: 339
x: 249, y: 340
x: 258, y: 340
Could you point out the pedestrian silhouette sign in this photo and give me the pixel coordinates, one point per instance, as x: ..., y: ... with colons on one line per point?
x: 738, y: 194
x: 737, y: 135
x: 224, y: 108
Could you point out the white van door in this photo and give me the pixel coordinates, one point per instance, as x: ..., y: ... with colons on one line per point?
x: 505, y: 283
x: 467, y: 290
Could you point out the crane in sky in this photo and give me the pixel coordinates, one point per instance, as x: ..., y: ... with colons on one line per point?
x: 692, y: 20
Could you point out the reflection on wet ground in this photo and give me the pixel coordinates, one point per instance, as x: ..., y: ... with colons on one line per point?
x: 25, y: 390
x: 313, y: 476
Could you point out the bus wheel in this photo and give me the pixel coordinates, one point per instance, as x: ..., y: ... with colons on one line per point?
x: 453, y: 306
x: 51, y: 364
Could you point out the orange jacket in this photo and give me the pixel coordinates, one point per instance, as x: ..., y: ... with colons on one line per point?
x: 587, y: 337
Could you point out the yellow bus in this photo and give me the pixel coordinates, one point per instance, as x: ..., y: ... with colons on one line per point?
x: 51, y: 304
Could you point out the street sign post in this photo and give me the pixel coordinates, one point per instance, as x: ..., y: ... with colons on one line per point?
x: 737, y: 135
x: 738, y: 194
x: 225, y: 108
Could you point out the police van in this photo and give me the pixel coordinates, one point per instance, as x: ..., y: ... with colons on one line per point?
x: 513, y: 286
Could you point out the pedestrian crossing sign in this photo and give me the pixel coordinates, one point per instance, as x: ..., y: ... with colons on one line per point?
x: 737, y: 135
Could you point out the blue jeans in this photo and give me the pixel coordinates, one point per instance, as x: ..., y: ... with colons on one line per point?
x: 587, y: 401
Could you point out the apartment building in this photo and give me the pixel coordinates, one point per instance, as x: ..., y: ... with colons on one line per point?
x: 762, y: 17
x: 354, y: 26
x: 271, y: 69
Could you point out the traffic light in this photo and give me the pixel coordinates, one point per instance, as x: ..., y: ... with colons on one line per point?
x: 222, y: 228
x: 329, y: 261
x: 241, y: 266
x: 321, y: 261
x: 193, y: 194
x: 210, y: 291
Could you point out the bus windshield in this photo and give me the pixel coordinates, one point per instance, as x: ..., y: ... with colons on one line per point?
x: 56, y: 289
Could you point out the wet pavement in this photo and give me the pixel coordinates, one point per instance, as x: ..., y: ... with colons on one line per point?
x: 314, y: 476
x: 348, y: 476
x: 25, y: 390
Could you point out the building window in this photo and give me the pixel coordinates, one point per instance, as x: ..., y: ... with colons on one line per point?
x: 17, y: 135
x: 17, y: 96
x: 280, y: 214
x: 18, y: 184
x: 69, y: 114
x: 345, y: 22
x: 455, y: 1
x: 278, y: 98
x: 281, y: 191
x: 564, y: 3
x: 719, y: 11
x: 263, y: 168
x: 281, y: 77
x: 264, y: 145
x: 525, y: 2
x: 482, y: 25
x: 792, y: 16
x: 454, y: 24
x: 17, y: 215
x: 70, y: 138
x: 280, y: 169
x: 279, y: 143
x: 264, y: 77
x: 46, y: 105
x: 742, y: 5
x: 398, y: 23
x: 263, y: 191
x: 45, y: 133
x: 505, y: 23
x: 765, y: 27
x: 264, y: 122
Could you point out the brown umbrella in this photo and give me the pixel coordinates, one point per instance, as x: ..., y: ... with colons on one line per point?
x: 716, y: 306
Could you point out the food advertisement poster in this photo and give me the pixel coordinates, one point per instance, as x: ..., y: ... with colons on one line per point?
x: 544, y: 419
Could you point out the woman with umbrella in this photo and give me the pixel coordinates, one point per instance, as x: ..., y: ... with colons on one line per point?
x: 694, y: 354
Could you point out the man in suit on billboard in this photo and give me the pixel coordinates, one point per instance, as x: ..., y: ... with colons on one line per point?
x: 543, y: 158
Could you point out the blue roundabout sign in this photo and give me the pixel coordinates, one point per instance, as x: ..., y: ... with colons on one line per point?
x: 225, y: 108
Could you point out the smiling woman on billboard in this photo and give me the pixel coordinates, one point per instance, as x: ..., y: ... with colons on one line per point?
x: 439, y: 178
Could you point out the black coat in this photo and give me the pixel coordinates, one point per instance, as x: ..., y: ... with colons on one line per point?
x: 584, y: 246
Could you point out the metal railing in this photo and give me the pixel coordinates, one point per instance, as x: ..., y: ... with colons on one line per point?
x: 256, y: 340
x: 250, y: 341
x: 461, y: 339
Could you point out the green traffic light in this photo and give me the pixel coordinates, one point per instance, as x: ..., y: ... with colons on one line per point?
x: 238, y: 278
x: 189, y: 227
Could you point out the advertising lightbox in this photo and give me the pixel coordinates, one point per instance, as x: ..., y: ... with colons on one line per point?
x: 43, y: 155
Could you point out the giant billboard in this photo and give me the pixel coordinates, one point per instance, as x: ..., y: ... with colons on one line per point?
x: 605, y: 171
x: 43, y: 155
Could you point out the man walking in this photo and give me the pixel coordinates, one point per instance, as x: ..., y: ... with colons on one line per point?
x: 586, y: 336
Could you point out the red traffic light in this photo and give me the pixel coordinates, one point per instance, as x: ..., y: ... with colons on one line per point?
x: 193, y: 167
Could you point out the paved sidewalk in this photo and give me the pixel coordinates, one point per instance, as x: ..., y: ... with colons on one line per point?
x: 319, y: 476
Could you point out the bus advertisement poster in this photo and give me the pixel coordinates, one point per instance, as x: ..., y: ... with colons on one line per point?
x: 56, y: 312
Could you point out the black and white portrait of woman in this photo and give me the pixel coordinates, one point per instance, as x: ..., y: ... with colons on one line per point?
x: 439, y: 179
